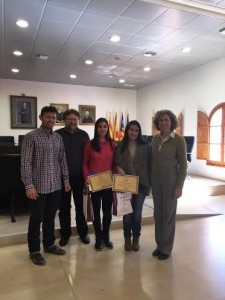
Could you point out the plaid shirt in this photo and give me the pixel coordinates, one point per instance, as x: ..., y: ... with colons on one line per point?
x: 43, y: 161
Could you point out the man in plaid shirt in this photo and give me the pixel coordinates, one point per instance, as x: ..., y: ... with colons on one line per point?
x: 43, y: 168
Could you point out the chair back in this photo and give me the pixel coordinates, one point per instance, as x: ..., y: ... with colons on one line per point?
x: 190, y: 144
x: 20, y: 139
x: 7, y: 140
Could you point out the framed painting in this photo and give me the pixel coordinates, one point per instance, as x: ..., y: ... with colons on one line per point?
x: 61, y: 108
x: 87, y: 114
x: 23, y: 111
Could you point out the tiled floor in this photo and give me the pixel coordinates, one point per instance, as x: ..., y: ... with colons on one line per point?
x: 196, y: 269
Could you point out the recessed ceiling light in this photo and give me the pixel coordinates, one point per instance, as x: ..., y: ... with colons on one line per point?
x: 22, y: 23
x: 73, y: 76
x: 15, y: 70
x: 222, y: 31
x: 186, y: 50
x: 111, y: 75
x: 121, y: 81
x: 147, y: 69
x: 42, y: 56
x: 17, y: 53
x: 114, y: 38
x: 88, y: 62
x: 150, y: 53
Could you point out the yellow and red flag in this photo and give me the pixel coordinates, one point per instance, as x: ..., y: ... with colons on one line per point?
x: 110, y: 126
x: 116, y: 129
x: 122, y: 130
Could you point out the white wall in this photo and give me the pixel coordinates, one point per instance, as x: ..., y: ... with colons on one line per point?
x: 200, y: 89
x: 105, y: 99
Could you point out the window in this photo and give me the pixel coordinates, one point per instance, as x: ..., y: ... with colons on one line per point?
x: 216, y: 136
x: 211, y: 136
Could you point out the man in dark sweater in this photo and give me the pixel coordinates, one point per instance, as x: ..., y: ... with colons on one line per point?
x: 74, y: 140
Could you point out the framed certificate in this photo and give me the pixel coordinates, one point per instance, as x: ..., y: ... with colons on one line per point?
x: 125, y: 183
x: 101, y: 181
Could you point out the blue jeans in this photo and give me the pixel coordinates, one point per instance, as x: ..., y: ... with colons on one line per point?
x: 132, y: 222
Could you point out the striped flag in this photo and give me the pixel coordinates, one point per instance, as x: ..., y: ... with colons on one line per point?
x: 122, y: 130
x: 110, y: 126
x: 116, y: 129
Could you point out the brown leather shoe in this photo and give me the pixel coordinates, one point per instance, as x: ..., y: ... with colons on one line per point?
x: 128, y: 245
x: 37, y: 259
x: 136, y: 245
x: 156, y: 252
x: 163, y: 256
x: 55, y: 250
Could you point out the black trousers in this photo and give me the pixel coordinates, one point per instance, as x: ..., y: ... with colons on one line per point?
x: 102, y: 198
x: 43, y: 210
x: 77, y: 184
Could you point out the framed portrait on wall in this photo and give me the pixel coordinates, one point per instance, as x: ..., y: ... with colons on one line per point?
x: 23, y: 110
x: 87, y: 114
x: 61, y: 108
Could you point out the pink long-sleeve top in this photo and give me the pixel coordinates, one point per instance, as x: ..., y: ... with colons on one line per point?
x: 96, y: 162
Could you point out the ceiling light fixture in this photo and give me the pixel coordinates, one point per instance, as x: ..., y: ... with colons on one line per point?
x: 22, y: 23
x: 14, y: 70
x: 88, y: 62
x: 73, y: 76
x: 17, y: 53
x: 121, y: 81
x: 150, y: 53
x: 114, y: 38
x: 147, y: 69
x: 222, y: 31
x: 42, y: 56
x: 186, y: 50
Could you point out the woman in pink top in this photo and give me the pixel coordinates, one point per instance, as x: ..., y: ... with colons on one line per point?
x: 99, y: 157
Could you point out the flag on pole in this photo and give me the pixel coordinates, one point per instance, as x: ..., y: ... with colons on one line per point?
x: 110, y: 126
x: 116, y: 129
x: 122, y: 130
x: 127, y: 118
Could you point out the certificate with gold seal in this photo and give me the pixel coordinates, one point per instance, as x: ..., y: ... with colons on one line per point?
x: 125, y: 183
x: 101, y: 181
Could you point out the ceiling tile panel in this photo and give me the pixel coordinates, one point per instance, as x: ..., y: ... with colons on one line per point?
x: 129, y: 26
x: 95, y: 20
x: 143, y: 11
x: 221, y: 4
x: 84, y: 36
x: 54, y: 73
x: 127, y: 50
x: 114, y: 7
x: 61, y: 14
x: 139, y: 42
x: 117, y: 59
x: 104, y: 47
x: 202, y: 24
x: 58, y: 33
x: 174, y: 18
x: 80, y: 4
x: 155, y: 32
